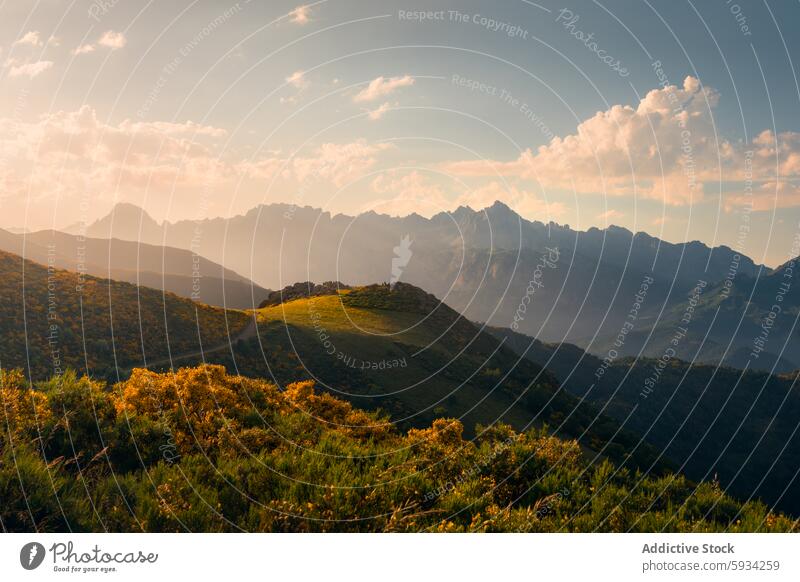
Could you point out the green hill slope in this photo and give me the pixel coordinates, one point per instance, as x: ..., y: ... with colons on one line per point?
x: 396, y: 349
x: 711, y: 422
x: 51, y: 320
x: 400, y: 350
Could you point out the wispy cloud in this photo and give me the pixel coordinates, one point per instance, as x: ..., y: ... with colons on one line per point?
x: 334, y: 163
x: 610, y: 214
x: 109, y: 39
x: 300, y: 15
x: 83, y: 49
x: 298, y: 80
x: 378, y: 113
x: 113, y: 40
x: 30, y: 38
x: 381, y: 87
x: 29, y: 70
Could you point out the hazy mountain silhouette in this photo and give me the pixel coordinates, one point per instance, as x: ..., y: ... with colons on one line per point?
x: 750, y: 322
x: 177, y: 270
x: 480, y: 262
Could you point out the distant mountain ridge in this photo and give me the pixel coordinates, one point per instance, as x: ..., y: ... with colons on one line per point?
x: 179, y: 271
x: 52, y: 319
x: 482, y: 263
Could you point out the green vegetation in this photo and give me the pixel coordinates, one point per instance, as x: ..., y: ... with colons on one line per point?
x: 200, y: 450
x: 51, y: 320
x: 398, y: 349
x: 740, y: 427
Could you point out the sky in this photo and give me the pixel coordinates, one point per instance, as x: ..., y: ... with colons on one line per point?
x: 675, y: 118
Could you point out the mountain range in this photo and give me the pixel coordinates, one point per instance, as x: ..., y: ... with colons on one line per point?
x: 399, y: 349
x: 545, y: 280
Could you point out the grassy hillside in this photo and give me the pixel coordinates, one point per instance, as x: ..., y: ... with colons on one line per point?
x: 200, y: 450
x: 740, y: 427
x: 176, y: 270
x: 396, y: 349
x: 52, y: 320
x: 400, y: 350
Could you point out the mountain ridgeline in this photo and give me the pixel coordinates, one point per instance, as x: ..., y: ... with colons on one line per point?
x: 178, y: 271
x: 411, y: 360
x: 575, y: 286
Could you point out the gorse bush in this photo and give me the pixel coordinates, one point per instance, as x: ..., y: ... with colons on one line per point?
x: 202, y: 450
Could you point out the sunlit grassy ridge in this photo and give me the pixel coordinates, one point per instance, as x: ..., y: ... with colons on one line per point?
x: 399, y: 349
x: 201, y: 450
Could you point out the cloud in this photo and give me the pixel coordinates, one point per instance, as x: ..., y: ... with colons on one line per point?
x: 109, y: 39
x: 112, y: 40
x: 664, y: 149
x: 334, y: 163
x: 524, y: 202
x: 300, y: 15
x: 30, y: 70
x: 767, y: 197
x: 83, y: 49
x: 298, y: 80
x: 610, y: 215
x: 30, y: 38
x: 339, y: 164
x: 76, y: 154
x: 378, y: 113
x: 381, y: 87
x: 405, y: 192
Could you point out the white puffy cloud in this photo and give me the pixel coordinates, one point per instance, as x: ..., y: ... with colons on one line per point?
x: 83, y: 49
x: 381, y: 87
x: 29, y: 70
x: 664, y: 149
x: 30, y: 38
x: 298, y: 80
x: 300, y: 15
x: 109, y: 39
x: 72, y: 153
x: 300, y: 83
x: 112, y: 40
